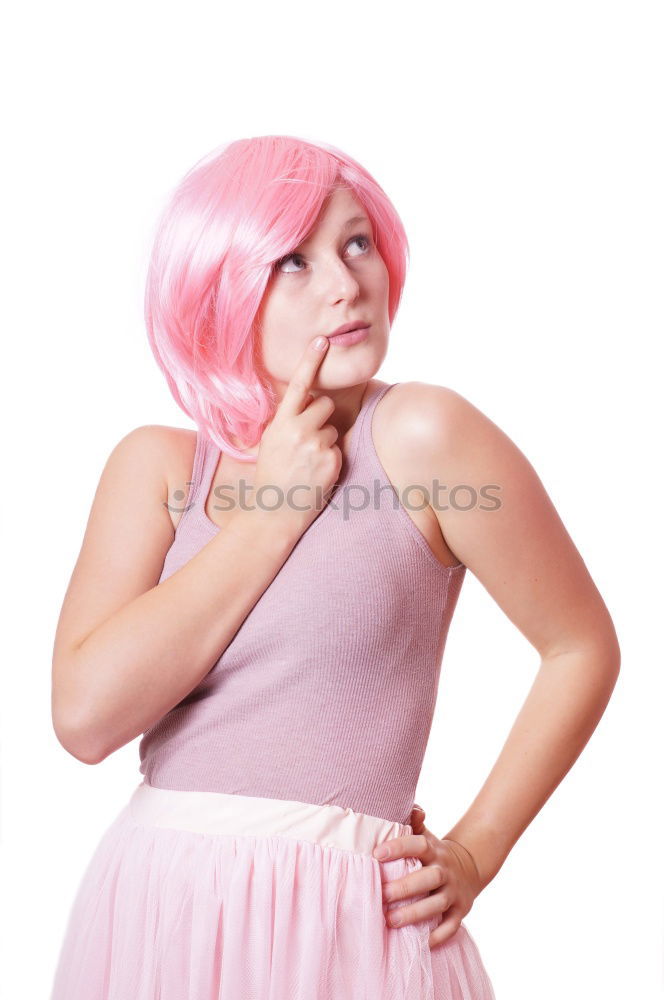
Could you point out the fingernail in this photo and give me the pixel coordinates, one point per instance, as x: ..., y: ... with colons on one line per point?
x: 320, y: 342
x: 381, y: 853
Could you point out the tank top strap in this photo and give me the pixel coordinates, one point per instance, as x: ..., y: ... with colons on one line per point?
x: 364, y: 450
x: 206, y: 457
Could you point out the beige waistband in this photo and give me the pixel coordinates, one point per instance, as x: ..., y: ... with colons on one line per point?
x: 245, y: 815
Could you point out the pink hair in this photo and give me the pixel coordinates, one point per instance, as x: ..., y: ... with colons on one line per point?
x: 240, y: 209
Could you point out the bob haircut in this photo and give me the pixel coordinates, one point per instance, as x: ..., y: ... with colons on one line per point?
x: 237, y: 212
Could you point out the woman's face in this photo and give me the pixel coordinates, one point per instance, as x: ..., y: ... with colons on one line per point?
x: 335, y: 276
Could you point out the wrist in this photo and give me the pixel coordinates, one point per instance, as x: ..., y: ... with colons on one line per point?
x: 484, y: 846
x: 272, y: 530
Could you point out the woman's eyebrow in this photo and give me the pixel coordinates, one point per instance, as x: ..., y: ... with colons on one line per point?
x: 355, y: 220
x: 347, y: 224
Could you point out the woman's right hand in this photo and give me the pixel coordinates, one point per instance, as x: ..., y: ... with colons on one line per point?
x: 297, y: 450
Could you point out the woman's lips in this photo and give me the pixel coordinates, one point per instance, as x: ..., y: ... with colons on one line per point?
x: 354, y: 337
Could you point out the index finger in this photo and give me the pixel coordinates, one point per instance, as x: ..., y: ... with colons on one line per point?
x: 410, y: 845
x: 295, y: 397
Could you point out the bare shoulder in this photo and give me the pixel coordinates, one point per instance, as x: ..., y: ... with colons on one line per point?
x: 419, y: 402
x: 431, y: 422
x: 443, y: 441
x: 419, y: 423
x: 161, y: 454
x: 174, y: 448
x: 158, y: 441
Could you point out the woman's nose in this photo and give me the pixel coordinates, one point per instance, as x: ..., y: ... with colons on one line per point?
x: 340, y: 282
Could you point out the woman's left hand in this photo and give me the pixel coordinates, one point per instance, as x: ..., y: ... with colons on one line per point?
x: 448, y: 874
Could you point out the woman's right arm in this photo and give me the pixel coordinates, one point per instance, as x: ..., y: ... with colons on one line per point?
x: 114, y: 680
x: 128, y: 648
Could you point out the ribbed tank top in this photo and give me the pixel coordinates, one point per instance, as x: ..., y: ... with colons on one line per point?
x: 326, y: 692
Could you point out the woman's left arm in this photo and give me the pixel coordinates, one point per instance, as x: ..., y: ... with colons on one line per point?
x: 558, y: 717
x: 519, y: 549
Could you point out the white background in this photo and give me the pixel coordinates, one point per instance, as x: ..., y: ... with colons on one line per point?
x: 522, y: 145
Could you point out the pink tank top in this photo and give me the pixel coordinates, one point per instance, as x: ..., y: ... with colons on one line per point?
x: 326, y: 692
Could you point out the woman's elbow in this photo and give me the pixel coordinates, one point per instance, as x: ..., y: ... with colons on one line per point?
x: 78, y: 740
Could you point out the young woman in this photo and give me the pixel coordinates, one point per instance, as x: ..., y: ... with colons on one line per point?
x: 266, y: 600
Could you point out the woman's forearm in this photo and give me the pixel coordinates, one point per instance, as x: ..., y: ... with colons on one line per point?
x: 563, y: 708
x: 151, y: 653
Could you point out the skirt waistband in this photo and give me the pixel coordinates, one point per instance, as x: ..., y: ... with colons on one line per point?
x: 253, y: 816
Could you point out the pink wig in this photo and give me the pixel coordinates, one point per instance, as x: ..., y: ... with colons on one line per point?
x: 234, y: 214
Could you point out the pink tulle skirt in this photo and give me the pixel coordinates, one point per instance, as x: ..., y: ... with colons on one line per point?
x: 210, y: 896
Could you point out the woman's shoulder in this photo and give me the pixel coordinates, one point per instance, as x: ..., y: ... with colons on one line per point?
x: 422, y: 411
x: 171, y: 445
x: 421, y: 395
x: 424, y: 429
x: 171, y: 449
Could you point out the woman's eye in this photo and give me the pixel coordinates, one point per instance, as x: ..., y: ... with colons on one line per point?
x: 279, y: 266
x: 361, y: 239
